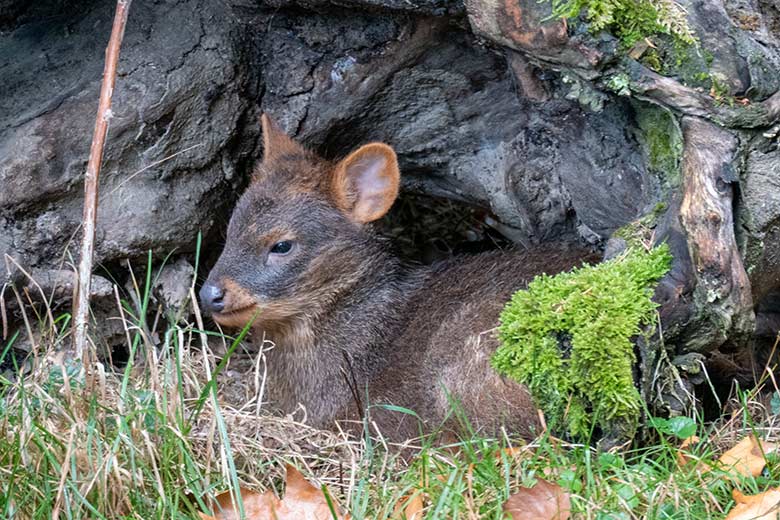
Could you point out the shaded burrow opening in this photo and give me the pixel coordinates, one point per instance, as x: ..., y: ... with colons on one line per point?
x: 424, y: 229
x: 732, y: 367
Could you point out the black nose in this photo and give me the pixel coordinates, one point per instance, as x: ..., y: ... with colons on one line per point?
x: 211, y: 298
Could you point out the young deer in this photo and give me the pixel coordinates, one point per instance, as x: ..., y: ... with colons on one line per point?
x: 347, y: 317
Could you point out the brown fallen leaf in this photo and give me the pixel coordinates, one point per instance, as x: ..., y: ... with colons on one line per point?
x: 763, y: 506
x: 302, y: 501
x: 684, y: 457
x: 512, y: 452
x: 543, y: 501
x: 255, y: 505
x: 639, y: 49
x: 747, y: 458
x: 409, y: 508
x: 302, y: 498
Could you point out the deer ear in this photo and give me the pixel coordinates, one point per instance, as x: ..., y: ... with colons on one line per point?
x: 276, y: 142
x: 365, y: 183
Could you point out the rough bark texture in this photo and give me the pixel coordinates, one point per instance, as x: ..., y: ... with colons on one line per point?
x: 722, y: 293
x: 183, y: 83
x: 558, y: 133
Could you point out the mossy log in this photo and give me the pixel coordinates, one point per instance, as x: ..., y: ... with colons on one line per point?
x: 721, y: 294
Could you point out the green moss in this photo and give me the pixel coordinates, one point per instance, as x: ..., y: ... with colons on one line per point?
x: 652, y: 59
x: 720, y: 90
x: 629, y: 20
x: 689, y: 64
x: 568, y: 338
x: 662, y: 142
x: 640, y: 231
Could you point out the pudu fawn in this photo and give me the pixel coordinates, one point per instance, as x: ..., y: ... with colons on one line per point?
x: 351, y: 323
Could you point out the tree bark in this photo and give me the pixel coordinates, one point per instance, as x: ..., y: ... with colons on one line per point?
x: 722, y: 301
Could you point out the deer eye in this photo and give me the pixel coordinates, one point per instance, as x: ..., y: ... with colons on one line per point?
x: 282, y: 248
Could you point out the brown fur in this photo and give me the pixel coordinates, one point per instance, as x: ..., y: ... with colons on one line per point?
x: 347, y: 317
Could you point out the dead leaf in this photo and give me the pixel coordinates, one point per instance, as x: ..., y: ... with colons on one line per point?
x: 302, y: 501
x: 255, y: 505
x: 544, y: 501
x: 763, y: 506
x: 639, y: 49
x: 690, y: 441
x: 409, y: 508
x: 684, y: 457
x: 512, y: 452
x: 747, y: 457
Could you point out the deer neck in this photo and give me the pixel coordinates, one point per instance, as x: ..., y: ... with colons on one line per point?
x: 323, y: 357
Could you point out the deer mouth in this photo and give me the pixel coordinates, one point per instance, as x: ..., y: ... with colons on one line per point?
x: 237, y: 317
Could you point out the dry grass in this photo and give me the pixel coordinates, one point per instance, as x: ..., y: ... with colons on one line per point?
x: 184, y: 419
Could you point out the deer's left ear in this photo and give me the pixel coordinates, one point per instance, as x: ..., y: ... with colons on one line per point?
x: 365, y: 183
x: 276, y: 143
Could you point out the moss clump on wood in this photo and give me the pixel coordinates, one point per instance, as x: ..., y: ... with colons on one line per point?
x: 630, y: 20
x: 662, y: 141
x: 640, y: 232
x: 568, y: 338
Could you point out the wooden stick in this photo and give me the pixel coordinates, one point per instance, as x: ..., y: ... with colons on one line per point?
x: 82, y: 288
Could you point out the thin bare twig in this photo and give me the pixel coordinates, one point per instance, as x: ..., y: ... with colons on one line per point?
x: 82, y: 288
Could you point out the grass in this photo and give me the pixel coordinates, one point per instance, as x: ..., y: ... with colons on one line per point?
x: 183, y: 419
